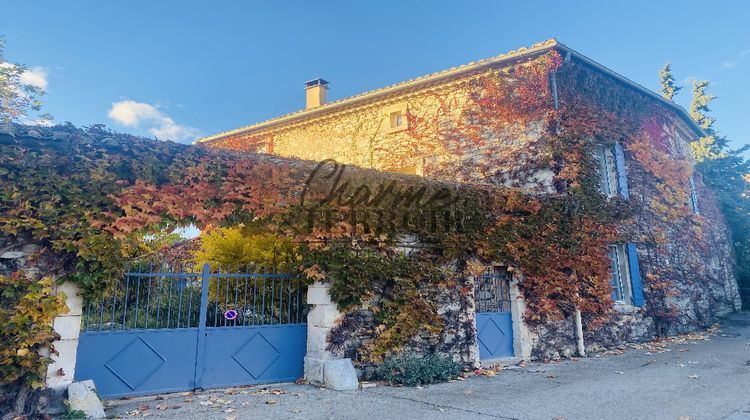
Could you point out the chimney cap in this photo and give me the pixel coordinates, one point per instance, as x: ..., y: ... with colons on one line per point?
x: 316, y: 82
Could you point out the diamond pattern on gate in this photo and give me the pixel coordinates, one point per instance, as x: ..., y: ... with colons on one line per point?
x: 256, y: 355
x: 135, y: 363
x: 491, y: 336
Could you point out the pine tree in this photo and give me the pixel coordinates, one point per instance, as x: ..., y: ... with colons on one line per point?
x: 668, y: 86
x: 727, y: 172
x: 699, y: 106
x: 710, y: 146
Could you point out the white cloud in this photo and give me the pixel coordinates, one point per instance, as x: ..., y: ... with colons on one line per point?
x: 744, y: 53
x: 728, y: 64
x: 140, y: 114
x: 36, y: 76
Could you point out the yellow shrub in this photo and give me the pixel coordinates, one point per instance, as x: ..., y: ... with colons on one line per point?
x: 231, y: 248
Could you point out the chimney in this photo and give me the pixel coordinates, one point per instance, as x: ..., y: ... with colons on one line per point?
x: 315, y: 91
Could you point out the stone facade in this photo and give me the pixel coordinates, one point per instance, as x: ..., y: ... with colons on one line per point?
x: 692, y: 256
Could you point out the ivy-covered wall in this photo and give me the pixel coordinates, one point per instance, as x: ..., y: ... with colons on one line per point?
x: 532, y: 126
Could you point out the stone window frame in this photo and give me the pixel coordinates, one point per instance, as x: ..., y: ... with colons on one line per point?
x: 396, y: 113
x: 609, y: 184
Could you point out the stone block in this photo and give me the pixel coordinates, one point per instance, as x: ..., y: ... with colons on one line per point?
x: 72, y: 299
x: 314, y: 369
x: 65, y: 360
x: 317, y: 339
x: 323, y: 315
x: 339, y: 374
x: 69, y: 327
x: 319, y: 294
x: 82, y: 396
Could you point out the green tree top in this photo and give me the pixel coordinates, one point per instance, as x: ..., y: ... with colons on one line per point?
x: 711, y: 146
x: 699, y: 106
x: 668, y: 86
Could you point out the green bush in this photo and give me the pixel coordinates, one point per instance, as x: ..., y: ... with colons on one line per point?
x: 412, y: 370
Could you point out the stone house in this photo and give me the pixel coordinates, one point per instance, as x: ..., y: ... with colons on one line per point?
x: 435, y: 126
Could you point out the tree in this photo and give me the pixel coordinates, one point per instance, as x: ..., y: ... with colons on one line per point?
x: 710, y: 146
x: 668, y: 86
x: 17, y: 98
x: 727, y: 172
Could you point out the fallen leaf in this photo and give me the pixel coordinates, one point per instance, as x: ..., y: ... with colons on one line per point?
x: 278, y: 392
x: 693, y: 376
x: 229, y: 410
x: 619, y: 372
x: 271, y: 402
x: 206, y: 403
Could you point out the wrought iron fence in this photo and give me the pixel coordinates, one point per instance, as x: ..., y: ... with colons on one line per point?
x: 155, y: 297
x: 492, y: 291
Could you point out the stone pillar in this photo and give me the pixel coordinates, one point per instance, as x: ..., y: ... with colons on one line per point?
x: 523, y: 338
x: 321, y: 366
x: 62, y: 369
x: 472, y: 313
x: 320, y: 320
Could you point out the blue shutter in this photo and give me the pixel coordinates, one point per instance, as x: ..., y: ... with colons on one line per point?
x: 635, y: 275
x: 622, y: 173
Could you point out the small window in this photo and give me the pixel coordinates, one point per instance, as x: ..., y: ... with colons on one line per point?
x: 608, y: 180
x: 397, y: 119
x: 693, y: 196
x: 620, y: 279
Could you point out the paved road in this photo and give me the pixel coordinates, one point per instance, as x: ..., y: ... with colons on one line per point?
x: 688, y: 378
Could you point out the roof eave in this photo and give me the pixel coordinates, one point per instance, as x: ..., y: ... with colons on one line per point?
x: 445, y: 75
x: 379, y: 93
x: 682, y: 112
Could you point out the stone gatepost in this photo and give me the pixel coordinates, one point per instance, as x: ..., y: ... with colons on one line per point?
x: 321, y: 366
x: 62, y: 369
x: 523, y: 338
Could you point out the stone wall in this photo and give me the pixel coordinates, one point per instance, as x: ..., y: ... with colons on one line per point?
x: 686, y: 264
x: 357, y: 328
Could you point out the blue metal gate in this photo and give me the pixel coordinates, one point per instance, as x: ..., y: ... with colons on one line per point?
x: 494, y: 322
x: 178, y: 330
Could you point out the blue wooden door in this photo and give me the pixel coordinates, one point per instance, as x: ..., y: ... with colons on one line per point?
x: 177, y: 331
x: 494, y: 321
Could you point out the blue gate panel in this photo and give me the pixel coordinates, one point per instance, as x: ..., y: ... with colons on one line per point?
x: 138, y: 362
x: 494, y: 335
x: 253, y: 354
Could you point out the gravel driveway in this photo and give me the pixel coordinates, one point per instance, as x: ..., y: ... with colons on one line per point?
x: 699, y: 376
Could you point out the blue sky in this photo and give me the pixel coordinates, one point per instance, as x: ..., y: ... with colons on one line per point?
x: 182, y: 69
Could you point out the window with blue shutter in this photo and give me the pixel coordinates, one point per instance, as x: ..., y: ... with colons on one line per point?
x: 636, y: 286
x: 612, y: 172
